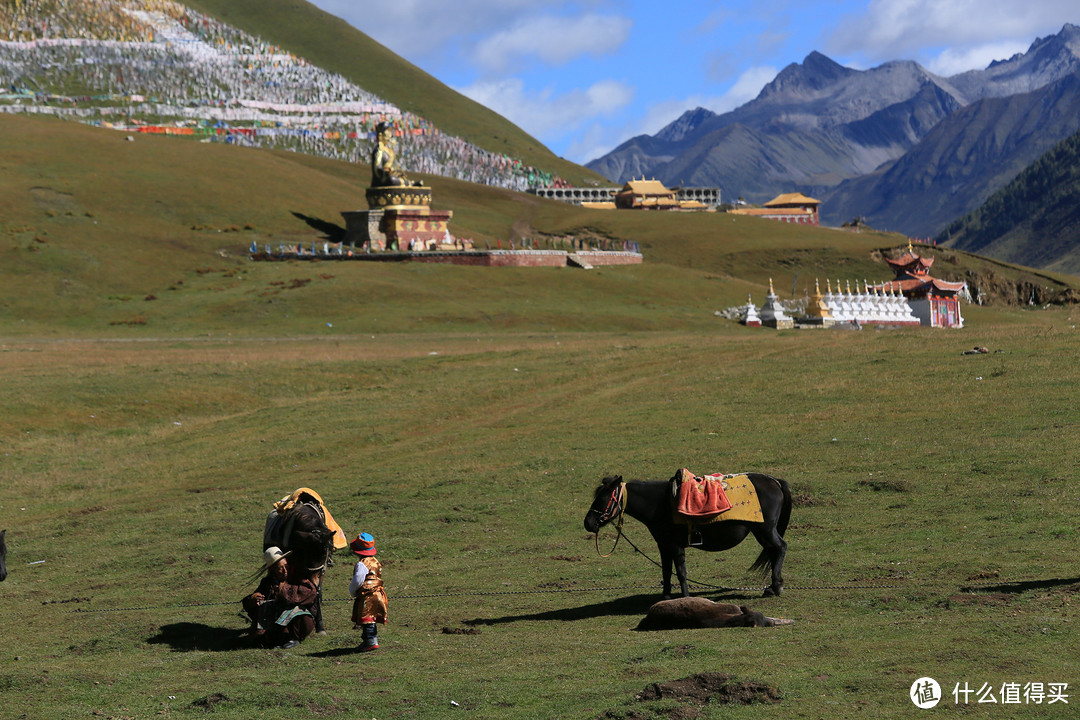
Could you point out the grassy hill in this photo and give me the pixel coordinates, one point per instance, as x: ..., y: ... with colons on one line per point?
x: 334, y: 45
x: 151, y: 235
x: 96, y: 224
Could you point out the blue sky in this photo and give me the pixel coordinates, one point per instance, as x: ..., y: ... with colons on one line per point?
x: 583, y: 76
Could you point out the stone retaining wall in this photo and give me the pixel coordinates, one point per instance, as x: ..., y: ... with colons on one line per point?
x: 481, y: 258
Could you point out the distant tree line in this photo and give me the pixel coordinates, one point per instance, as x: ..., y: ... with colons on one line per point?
x: 1044, y: 184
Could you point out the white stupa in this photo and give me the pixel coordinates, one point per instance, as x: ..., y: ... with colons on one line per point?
x: 750, y: 314
x: 772, y: 312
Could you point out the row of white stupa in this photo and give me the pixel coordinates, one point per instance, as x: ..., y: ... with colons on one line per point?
x: 871, y: 306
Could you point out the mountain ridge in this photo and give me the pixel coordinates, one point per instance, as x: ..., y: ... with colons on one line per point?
x: 961, y: 161
x: 1032, y: 219
x: 822, y: 95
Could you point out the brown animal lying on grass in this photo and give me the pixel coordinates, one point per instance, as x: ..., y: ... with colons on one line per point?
x: 699, y: 612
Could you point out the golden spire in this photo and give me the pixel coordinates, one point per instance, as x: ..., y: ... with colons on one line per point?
x: 771, y: 291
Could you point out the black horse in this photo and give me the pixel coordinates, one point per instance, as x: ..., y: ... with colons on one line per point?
x: 302, y: 532
x: 3, y: 556
x: 651, y: 503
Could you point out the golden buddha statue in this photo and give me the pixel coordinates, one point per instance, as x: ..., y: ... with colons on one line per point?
x: 384, y: 169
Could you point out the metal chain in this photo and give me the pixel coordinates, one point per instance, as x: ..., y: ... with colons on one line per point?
x: 393, y: 597
x: 691, y: 583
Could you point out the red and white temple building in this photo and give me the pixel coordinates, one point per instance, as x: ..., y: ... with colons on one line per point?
x: 935, y: 302
x: 912, y: 298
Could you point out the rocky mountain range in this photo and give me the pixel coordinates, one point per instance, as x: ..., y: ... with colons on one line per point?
x: 904, y: 148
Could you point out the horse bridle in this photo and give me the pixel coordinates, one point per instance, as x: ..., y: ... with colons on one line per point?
x: 617, y: 500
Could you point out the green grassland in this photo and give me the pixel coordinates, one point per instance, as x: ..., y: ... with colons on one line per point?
x: 463, y: 416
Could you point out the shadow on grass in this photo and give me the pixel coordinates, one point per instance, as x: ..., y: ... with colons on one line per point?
x: 1022, y: 586
x: 630, y: 605
x: 333, y: 233
x: 335, y: 652
x: 188, y: 636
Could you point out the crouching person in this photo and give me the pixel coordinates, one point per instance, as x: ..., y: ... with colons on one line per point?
x: 370, y: 606
x: 281, y: 606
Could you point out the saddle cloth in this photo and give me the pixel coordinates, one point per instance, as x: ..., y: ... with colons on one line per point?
x: 702, y: 498
x: 283, y: 506
x: 741, y: 495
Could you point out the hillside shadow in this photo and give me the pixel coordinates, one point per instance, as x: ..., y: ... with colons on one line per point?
x: 1022, y: 586
x: 189, y: 636
x: 331, y: 232
x: 630, y: 605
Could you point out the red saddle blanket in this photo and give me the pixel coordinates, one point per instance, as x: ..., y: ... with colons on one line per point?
x: 700, y: 497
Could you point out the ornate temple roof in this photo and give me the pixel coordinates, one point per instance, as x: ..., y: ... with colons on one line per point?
x: 911, y: 263
x: 917, y: 286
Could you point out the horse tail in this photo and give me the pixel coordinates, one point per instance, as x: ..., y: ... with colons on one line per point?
x: 785, y: 508
x: 763, y: 563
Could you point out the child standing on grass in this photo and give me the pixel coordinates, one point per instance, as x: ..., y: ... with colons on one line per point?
x: 370, y: 606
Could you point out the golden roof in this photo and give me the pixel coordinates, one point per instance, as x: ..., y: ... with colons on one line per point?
x: 646, y: 187
x: 792, y: 199
x: 771, y: 212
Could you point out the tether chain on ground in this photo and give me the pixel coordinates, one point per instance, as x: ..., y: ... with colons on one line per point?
x: 693, y: 586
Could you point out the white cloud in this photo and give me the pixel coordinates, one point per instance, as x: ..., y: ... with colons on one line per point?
x: 426, y: 29
x: 554, y: 40
x: 544, y: 114
x: 910, y: 29
x: 592, y: 143
x: 747, y: 87
x: 952, y: 62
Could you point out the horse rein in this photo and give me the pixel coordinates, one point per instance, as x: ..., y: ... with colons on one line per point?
x: 617, y: 500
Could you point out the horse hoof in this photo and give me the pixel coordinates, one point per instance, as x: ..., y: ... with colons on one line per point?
x: 321, y: 632
x: 769, y: 592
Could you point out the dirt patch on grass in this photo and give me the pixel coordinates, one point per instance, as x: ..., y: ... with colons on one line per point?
x: 694, y: 692
x: 210, y: 701
x: 711, y: 687
x: 805, y: 500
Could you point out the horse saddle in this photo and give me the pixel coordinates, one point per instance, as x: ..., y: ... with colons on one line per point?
x: 700, y: 498
x: 306, y: 496
x: 733, y: 497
